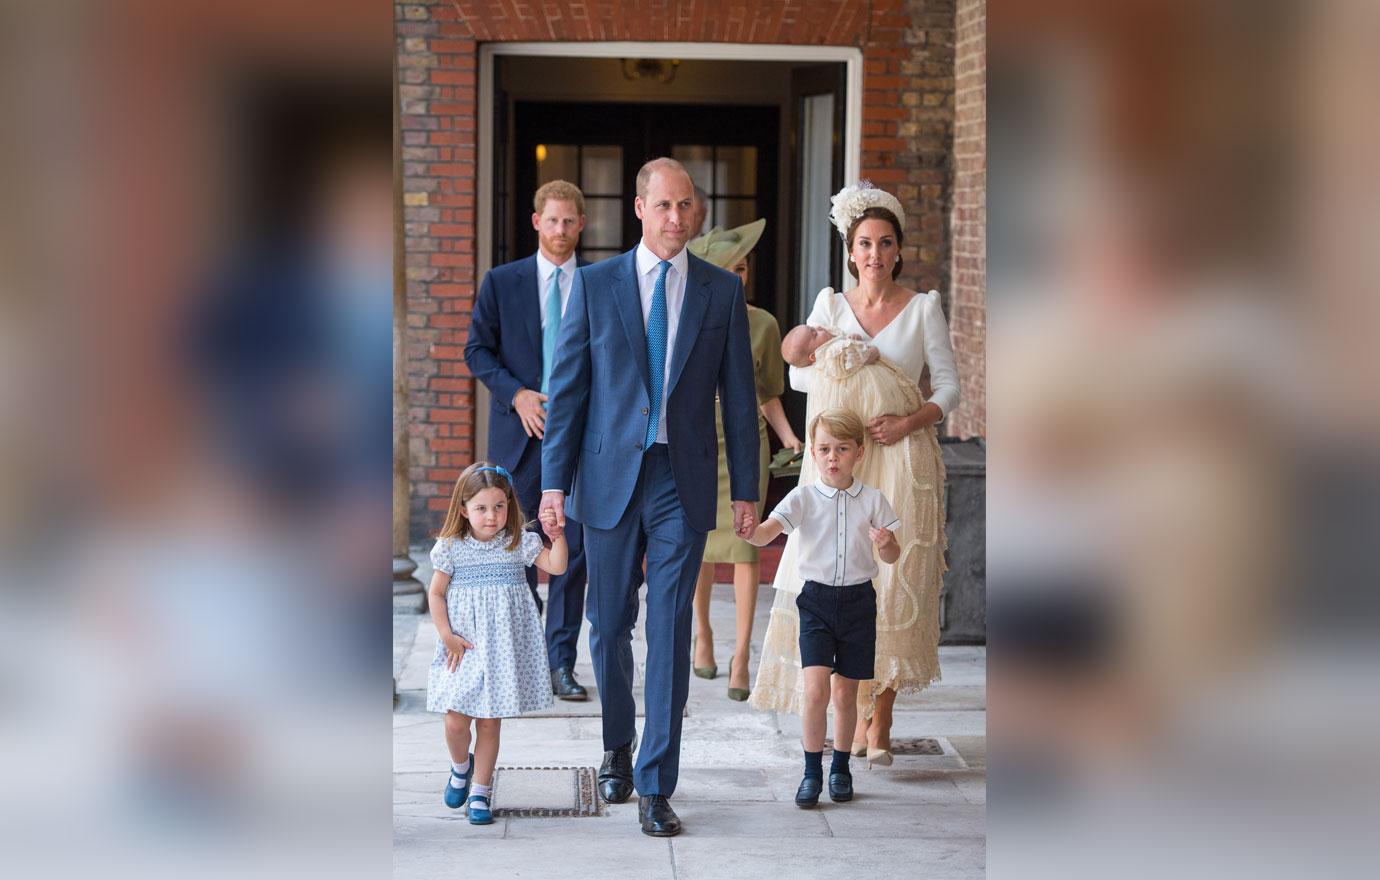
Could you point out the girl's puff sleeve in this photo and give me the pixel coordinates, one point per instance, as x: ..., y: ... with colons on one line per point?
x: 440, y: 557
x: 530, y: 548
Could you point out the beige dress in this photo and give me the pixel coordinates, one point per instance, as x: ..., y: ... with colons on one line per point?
x: 770, y: 372
x: 911, y: 475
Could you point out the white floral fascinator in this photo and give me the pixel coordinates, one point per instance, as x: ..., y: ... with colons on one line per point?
x: 850, y: 202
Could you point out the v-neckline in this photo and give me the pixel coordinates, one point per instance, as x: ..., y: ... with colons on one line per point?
x: 856, y: 320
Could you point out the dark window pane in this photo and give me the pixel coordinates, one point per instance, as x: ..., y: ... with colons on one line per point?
x: 557, y: 162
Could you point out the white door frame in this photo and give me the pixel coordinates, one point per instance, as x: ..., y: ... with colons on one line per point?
x: 850, y: 56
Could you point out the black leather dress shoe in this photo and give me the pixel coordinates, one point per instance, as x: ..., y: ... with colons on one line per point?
x: 657, y: 817
x: 564, y: 685
x: 808, y: 793
x: 840, y: 787
x: 615, y: 775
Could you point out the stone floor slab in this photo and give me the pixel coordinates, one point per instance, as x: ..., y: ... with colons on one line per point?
x: 638, y: 856
x: 828, y: 858
x: 892, y: 815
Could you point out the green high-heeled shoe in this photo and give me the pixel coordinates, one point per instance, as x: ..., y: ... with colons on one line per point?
x: 709, y: 672
x: 738, y: 694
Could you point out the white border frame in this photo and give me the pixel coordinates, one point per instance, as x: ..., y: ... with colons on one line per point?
x: 853, y: 92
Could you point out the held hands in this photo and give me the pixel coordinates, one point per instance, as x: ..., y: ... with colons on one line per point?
x: 455, y: 650
x: 553, y: 527
x: 551, y: 512
x: 744, y: 518
x: 528, y: 404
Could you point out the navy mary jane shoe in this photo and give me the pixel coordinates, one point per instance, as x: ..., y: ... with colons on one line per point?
x: 455, y: 797
x: 478, y: 808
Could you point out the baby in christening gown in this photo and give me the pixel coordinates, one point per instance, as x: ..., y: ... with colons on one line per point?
x: 804, y: 342
x: 851, y: 374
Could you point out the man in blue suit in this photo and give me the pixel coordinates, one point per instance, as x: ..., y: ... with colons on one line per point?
x: 631, y: 452
x: 511, y: 349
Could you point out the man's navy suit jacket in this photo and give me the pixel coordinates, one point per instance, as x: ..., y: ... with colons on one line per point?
x: 504, y: 351
x: 600, y: 391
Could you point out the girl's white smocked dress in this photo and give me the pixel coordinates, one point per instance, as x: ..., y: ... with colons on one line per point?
x: 490, y: 606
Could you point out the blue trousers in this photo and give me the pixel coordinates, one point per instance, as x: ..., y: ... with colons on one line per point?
x: 565, y: 594
x: 653, y: 527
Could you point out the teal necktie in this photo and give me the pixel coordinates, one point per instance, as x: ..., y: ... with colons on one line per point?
x: 553, y: 329
x: 656, y: 350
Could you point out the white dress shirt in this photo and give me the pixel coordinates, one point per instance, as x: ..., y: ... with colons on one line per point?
x: 544, y: 269
x: 917, y: 336
x: 648, y: 266
x: 835, y: 547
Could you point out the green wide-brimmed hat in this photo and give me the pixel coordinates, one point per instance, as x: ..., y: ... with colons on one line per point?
x: 725, y: 248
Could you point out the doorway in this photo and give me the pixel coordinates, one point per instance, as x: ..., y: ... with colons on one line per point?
x: 600, y: 147
x: 767, y: 131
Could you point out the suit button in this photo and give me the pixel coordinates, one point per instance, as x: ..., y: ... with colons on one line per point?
x: 638, y: 445
x: 645, y: 411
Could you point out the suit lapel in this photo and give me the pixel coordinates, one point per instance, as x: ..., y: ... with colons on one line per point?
x: 692, y: 310
x: 628, y: 301
x: 531, y: 320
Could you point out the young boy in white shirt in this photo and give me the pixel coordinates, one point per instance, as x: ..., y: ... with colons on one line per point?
x: 841, y: 522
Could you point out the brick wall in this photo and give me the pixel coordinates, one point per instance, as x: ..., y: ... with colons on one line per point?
x: 968, y: 313
x: 907, y: 117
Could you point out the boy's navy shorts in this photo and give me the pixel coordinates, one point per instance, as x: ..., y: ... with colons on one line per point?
x: 838, y: 628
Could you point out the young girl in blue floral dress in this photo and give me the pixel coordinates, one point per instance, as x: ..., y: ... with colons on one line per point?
x: 490, y: 660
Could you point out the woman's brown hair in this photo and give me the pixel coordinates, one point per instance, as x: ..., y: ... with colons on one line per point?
x: 474, y: 479
x: 876, y: 213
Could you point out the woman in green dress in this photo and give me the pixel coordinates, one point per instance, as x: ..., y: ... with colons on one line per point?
x: 729, y: 249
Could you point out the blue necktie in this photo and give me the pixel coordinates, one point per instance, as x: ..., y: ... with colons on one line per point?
x: 656, y: 350
x: 553, y: 328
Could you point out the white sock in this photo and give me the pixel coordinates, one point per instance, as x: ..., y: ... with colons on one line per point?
x: 458, y: 771
x: 478, y: 790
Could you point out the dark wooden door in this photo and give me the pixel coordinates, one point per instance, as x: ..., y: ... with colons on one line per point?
x: 730, y: 151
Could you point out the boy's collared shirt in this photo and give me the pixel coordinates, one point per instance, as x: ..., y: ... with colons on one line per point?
x: 834, y: 546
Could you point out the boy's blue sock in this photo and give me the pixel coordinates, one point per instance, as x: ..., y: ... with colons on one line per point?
x: 814, y: 764
x: 840, y: 762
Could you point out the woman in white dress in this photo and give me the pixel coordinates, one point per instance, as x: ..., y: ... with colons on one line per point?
x: 902, y: 460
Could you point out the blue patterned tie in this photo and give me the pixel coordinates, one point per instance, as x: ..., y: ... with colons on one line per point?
x: 553, y: 328
x: 656, y: 350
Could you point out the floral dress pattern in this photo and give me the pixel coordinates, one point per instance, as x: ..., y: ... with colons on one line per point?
x: 489, y: 605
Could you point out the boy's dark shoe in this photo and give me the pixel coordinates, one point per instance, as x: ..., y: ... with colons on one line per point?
x: 840, y: 787
x: 808, y: 794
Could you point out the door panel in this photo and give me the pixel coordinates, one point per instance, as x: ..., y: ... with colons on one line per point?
x: 729, y: 151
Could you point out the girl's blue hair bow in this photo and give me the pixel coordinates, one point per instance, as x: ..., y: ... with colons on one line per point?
x: 498, y: 469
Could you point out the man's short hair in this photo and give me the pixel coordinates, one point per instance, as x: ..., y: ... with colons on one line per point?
x: 663, y: 163
x: 561, y: 191
x: 842, y: 424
